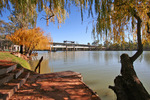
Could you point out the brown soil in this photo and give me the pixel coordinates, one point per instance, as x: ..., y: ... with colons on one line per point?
x: 55, y: 86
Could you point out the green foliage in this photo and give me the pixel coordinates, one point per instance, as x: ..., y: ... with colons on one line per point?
x: 55, y: 9
x: 9, y: 57
x: 4, y: 27
x: 122, y: 46
x: 114, y: 17
x: 18, y: 20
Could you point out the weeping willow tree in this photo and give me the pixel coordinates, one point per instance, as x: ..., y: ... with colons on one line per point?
x: 24, y: 13
x: 54, y: 9
x: 114, y: 18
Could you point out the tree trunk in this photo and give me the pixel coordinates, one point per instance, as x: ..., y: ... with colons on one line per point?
x: 21, y: 49
x: 127, y: 85
x: 30, y: 52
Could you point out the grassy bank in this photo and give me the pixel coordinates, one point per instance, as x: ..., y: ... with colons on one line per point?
x: 9, y: 57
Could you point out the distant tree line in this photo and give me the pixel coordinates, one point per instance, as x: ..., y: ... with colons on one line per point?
x: 122, y: 46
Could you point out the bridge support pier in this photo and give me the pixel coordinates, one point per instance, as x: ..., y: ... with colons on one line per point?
x: 66, y: 48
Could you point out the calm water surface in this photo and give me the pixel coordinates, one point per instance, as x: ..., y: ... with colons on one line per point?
x: 98, y: 68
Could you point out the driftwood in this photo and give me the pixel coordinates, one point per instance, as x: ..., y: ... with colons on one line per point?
x: 127, y: 85
x: 39, y: 64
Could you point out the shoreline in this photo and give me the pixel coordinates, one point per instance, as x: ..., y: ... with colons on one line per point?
x: 21, y: 83
x: 66, y: 84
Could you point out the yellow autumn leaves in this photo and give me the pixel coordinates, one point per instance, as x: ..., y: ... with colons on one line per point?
x: 31, y: 39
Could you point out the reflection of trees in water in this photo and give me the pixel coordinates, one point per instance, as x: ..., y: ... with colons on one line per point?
x: 107, y: 56
x: 96, y: 56
x: 147, y: 57
x: 45, y: 67
x: 116, y: 55
x: 69, y: 56
x: 141, y: 57
x: 89, y: 56
x: 33, y: 64
x: 34, y: 58
x: 65, y: 56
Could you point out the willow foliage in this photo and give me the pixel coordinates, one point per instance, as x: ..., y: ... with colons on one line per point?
x: 117, y: 17
x: 113, y: 17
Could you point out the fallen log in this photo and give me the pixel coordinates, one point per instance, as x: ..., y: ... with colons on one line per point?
x: 127, y: 85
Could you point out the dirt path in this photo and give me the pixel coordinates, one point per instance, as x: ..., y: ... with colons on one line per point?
x: 55, y: 86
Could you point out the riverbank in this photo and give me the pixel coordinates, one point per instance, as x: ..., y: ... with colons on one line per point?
x: 7, y: 56
x: 66, y: 85
x: 20, y: 83
x: 90, y: 50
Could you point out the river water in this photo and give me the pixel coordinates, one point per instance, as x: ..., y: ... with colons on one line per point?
x: 98, y: 68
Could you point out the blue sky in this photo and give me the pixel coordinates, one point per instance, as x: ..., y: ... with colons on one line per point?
x: 72, y: 30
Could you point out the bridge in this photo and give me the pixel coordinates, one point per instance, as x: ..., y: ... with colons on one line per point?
x: 71, y: 46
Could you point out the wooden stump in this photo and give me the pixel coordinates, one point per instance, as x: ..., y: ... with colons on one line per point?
x: 127, y: 85
x: 38, y: 65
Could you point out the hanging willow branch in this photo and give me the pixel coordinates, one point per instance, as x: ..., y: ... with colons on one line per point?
x: 148, y: 26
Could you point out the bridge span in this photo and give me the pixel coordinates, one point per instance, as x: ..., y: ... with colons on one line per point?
x: 72, y: 46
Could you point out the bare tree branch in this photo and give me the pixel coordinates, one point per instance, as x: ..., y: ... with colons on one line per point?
x: 49, y: 17
x: 140, y: 46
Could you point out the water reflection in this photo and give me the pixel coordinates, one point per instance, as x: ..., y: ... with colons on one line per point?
x: 147, y: 57
x: 98, y: 68
x: 108, y: 56
x: 69, y: 56
x: 45, y: 68
x: 89, y: 56
x: 141, y: 57
x: 96, y: 57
